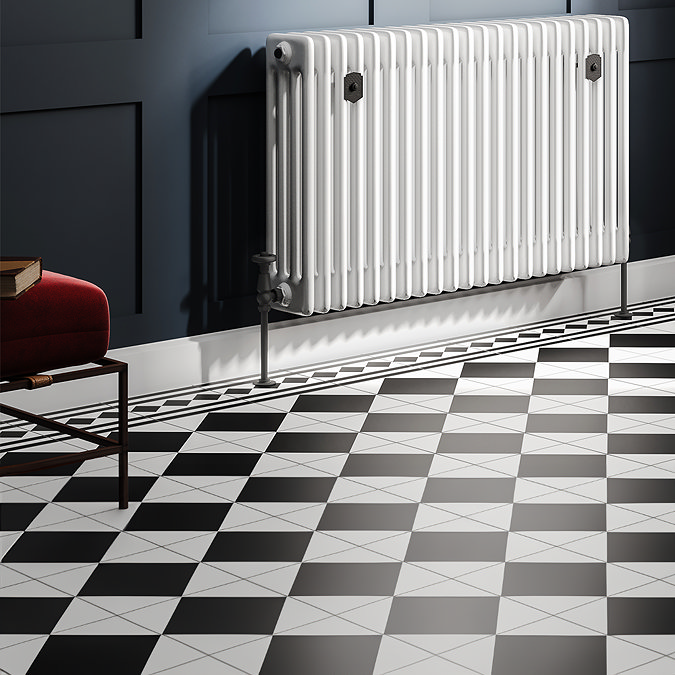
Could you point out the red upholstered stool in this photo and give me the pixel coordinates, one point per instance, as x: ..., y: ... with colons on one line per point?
x: 58, y: 324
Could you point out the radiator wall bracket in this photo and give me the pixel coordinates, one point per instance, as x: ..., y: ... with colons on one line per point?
x: 593, y: 67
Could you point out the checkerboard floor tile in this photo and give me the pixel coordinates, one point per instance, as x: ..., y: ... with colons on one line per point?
x: 498, y: 506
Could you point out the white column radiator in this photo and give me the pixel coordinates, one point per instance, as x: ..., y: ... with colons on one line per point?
x: 414, y: 160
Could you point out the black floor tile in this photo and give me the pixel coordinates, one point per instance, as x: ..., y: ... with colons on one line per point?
x: 589, y: 386
x: 397, y: 464
x: 437, y: 616
x: 318, y: 654
x: 212, y: 616
x: 630, y: 444
x: 558, y: 517
x: 590, y: 466
x: 638, y: 370
x: 236, y: 421
x: 640, y: 547
x: 572, y: 354
x: 100, y: 654
x: 332, y: 403
x: 643, y: 405
x: 653, y: 340
x: 258, y: 546
x: 21, y: 456
x: 31, y: 615
x: 640, y: 490
x: 550, y: 654
x: 293, y: 441
x: 457, y: 546
x: 326, y: 578
x: 156, y: 441
x: 490, y: 404
x: 641, y: 616
x: 60, y: 547
x: 103, y: 489
x: 418, y: 385
x: 18, y: 515
x: 508, y: 443
x: 263, y: 489
x: 169, y: 579
x: 548, y: 579
x: 213, y: 464
x: 552, y: 423
x: 405, y: 422
x: 170, y: 516
x: 487, y: 490
x: 368, y: 517
x: 477, y: 369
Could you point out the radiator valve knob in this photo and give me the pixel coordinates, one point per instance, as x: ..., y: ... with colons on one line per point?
x: 283, y: 295
x: 283, y: 52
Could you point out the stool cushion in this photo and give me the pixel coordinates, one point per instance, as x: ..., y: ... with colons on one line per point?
x: 60, y: 322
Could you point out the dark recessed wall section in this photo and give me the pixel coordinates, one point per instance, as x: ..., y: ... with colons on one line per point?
x: 133, y: 137
x: 652, y: 159
x: 70, y: 192
x: 42, y: 22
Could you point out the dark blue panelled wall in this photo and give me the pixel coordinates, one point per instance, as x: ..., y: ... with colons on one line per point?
x: 133, y: 140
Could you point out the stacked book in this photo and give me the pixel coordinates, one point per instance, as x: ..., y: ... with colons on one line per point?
x: 17, y: 275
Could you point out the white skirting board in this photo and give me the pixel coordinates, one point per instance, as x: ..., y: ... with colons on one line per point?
x: 303, y: 343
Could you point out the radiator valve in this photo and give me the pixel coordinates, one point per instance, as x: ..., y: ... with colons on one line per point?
x: 283, y: 52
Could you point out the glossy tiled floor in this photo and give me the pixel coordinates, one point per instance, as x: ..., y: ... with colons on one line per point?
x: 503, y: 506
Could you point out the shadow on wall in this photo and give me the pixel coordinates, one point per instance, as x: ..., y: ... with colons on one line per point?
x: 227, y: 197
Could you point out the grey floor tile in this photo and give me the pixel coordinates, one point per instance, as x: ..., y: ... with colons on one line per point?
x: 641, y: 616
x: 488, y: 490
x: 325, y: 578
x: 590, y: 386
x: 640, y: 490
x: 629, y: 371
x: 550, y: 579
x: 552, y: 423
x: 481, y: 442
x: 368, y: 517
x: 562, y: 465
x: 642, y: 405
x: 387, y: 465
x: 489, y: 404
x: 309, y: 441
x: 314, y: 654
x: 640, y: 547
x: 477, y: 369
x: 418, y: 385
x: 550, y: 654
x: 642, y: 339
x: 633, y: 444
x: 557, y: 517
x: 434, y: 616
x: 457, y: 546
